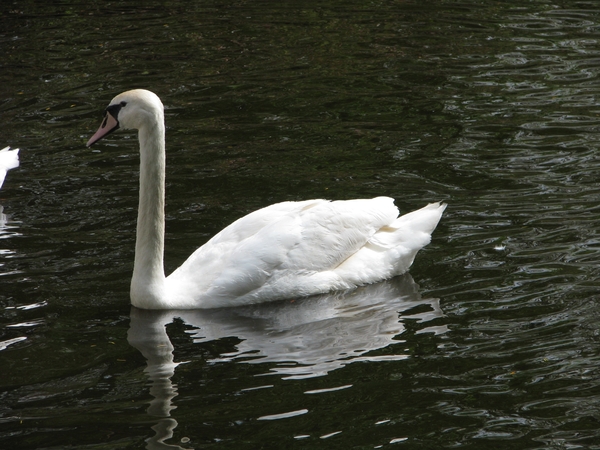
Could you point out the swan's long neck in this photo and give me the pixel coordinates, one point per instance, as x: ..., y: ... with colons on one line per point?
x: 147, y: 283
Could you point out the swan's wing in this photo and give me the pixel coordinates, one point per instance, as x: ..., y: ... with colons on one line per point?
x: 286, y: 238
x: 334, y: 231
x: 243, y: 244
x: 9, y: 159
x: 254, y: 222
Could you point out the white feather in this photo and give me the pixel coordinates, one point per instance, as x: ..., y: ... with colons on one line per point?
x: 9, y: 159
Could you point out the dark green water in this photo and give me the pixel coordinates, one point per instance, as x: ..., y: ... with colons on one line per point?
x: 491, y: 341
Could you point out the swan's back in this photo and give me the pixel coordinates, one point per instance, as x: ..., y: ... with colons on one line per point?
x: 9, y: 159
x: 296, y: 249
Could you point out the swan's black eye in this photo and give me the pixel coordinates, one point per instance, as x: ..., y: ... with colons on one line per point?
x: 123, y: 104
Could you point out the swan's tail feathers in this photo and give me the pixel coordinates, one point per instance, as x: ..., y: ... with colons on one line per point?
x: 413, y: 233
x: 424, y: 219
x: 412, y: 230
x: 400, y: 241
x: 392, y: 249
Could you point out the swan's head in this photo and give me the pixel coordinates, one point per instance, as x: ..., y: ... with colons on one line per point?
x: 133, y: 109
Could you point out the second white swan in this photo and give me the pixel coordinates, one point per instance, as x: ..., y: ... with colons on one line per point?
x: 9, y: 159
x: 286, y: 250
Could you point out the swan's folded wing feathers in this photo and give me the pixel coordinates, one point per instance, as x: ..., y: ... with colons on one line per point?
x: 299, y: 252
x: 244, y: 240
x: 334, y: 231
x: 289, y: 241
x: 253, y: 223
x: 251, y: 263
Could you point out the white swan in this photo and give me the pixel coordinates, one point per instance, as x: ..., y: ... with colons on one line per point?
x: 9, y: 159
x: 285, y: 250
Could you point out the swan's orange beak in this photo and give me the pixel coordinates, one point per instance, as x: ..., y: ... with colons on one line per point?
x: 109, y: 124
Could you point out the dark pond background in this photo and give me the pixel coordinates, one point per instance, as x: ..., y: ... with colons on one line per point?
x: 491, y: 341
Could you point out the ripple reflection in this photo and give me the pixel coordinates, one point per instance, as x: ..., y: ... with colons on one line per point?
x: 298, y: 339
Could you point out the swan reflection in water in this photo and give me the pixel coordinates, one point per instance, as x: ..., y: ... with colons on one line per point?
x: 3, y: 218
x: 8, y: 229
x: 297, y: 339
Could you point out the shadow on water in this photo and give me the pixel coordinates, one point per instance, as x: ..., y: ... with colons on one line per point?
x: 302, y: 339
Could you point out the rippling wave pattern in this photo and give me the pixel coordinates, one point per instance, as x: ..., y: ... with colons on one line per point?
x: 527, y: 157
x: 491, y: 340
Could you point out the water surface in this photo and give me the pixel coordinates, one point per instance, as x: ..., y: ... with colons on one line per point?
x: 490, y: 341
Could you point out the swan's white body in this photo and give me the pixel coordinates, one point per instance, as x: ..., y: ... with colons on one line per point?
x: 285, y: 250
x: 9, y: 159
